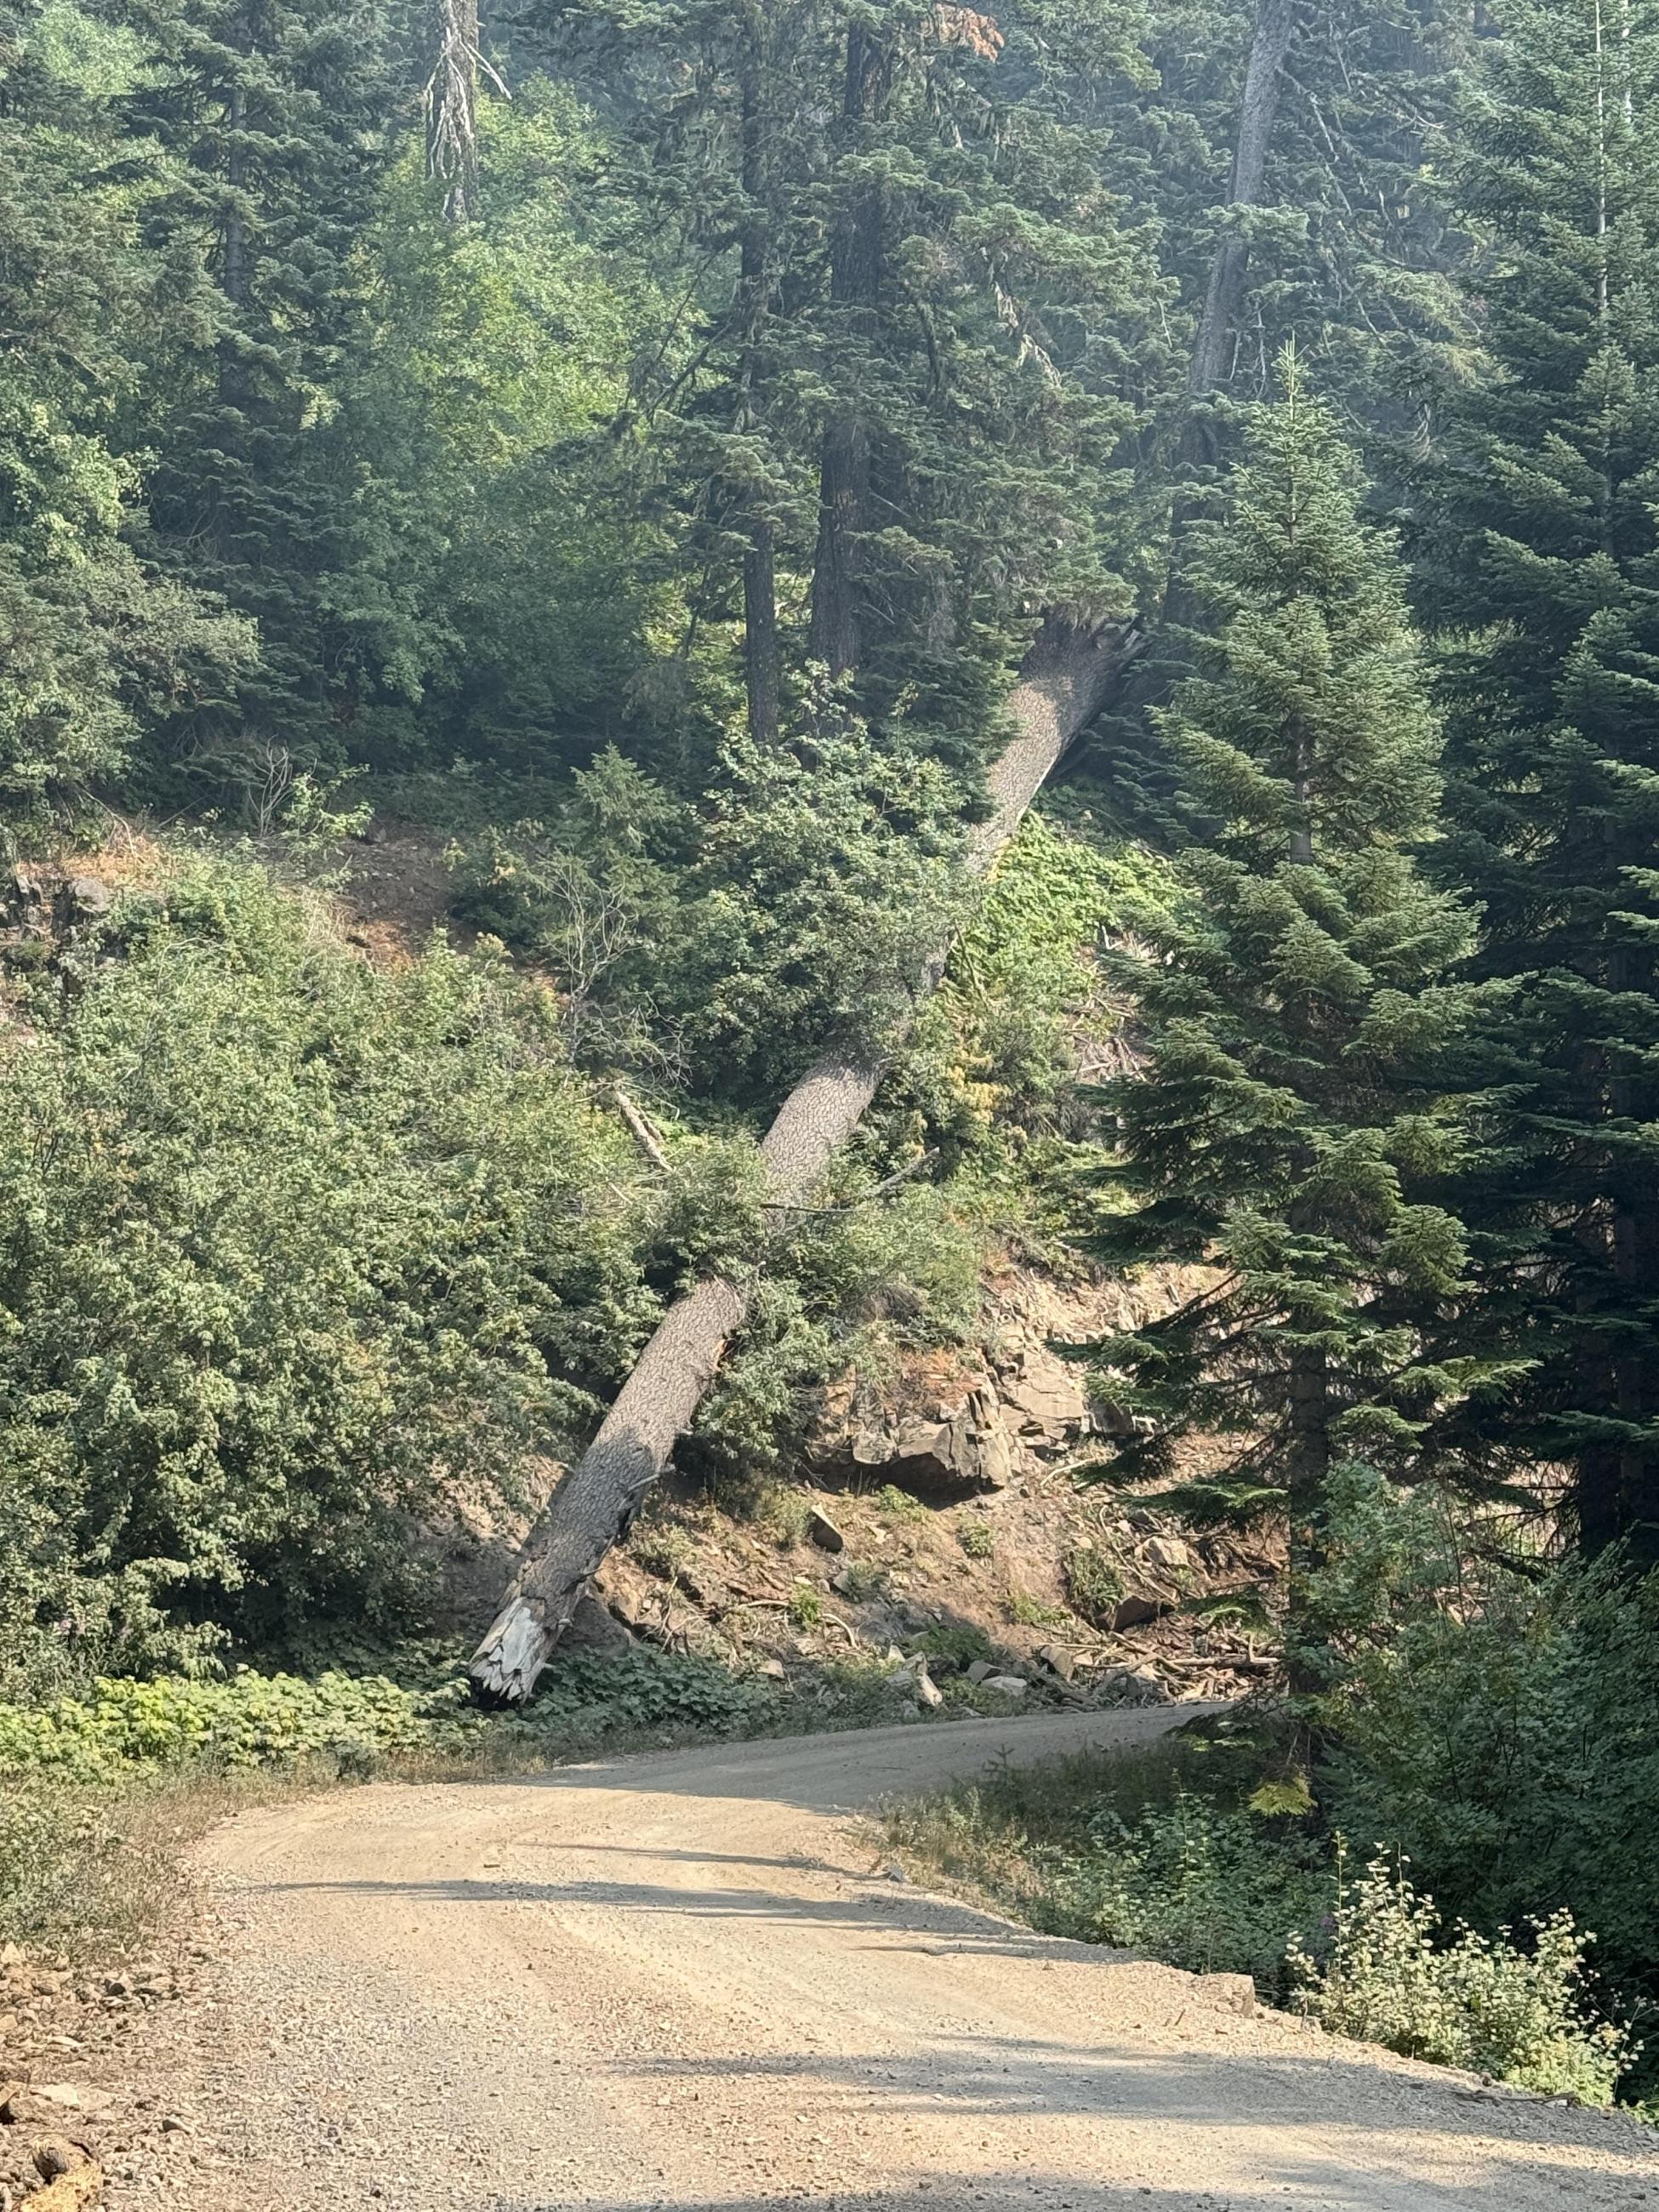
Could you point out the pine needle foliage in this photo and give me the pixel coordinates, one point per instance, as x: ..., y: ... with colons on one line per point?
x: 1541, y: 554
x: 1291, y: 994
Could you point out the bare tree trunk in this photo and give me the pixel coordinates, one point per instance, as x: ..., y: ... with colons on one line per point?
x: 452, y: 108
x: 1308, y: 1472
x: 1258, y: 113
x: 837, y: 636
x: 1065, y: 683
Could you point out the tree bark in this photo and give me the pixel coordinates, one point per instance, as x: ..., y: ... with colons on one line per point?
x: 1307, y: 1472
x: 1064, y: 685
x: 836, y: 631
x: 1258, y: 113
x: 452, y: 108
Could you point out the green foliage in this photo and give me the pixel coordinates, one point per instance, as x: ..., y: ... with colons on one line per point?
x: 978, y: 1539
x: 288, y: 1249
x: 1388, y: 1976
x: 504, y: 585
x: 1538, y: 554
x: 93, y: 641
x: 1494, y: 1722
x: 247, y: 1721
x: 899, y: 1505
x: 1290, y: 1131
x: 1141, y: 1851
x: 806, y: 1606
x: 953, y: 1644
x: 1025, y: 1611
x: 1094, y: 1582
x: 783, y: 916
x: 662, y: 1548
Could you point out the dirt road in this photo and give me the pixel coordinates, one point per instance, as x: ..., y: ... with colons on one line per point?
x: 682, y: 1981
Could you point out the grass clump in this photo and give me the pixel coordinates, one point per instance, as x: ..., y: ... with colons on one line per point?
x: 977, y: 1539
x: 952, y: 1643
x: 862, y: 1581
x: 899, y: 1506
x: 1093, y: 1584
x: 662, y: 1549
x: 1025, y: 1611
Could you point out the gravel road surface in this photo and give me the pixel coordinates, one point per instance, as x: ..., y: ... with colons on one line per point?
x: 684, y: 1980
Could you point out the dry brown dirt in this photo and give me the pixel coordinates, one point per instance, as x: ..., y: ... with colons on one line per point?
x: 685, y: 1980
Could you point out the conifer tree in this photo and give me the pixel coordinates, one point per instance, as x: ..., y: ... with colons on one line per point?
x: 90, y: 638
x: 270, y: 122
x: 1542, y: 550
x: 1289, y: 993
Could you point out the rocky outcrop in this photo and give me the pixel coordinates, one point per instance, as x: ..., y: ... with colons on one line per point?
x: 953, y: 1430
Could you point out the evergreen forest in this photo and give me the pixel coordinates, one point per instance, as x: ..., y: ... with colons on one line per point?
x: 685, y: 684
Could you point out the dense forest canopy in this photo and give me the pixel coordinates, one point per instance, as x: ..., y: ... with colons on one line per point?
x: 661, y: 449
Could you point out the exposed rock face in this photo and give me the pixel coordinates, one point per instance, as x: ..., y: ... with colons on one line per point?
x: 951, y: 1429
x: 951, y: 1443
x: 1042, y: 1400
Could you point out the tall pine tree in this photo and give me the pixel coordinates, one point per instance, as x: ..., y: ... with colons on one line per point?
x: 1543, y: 554
x: 91, y: 640
x: 270, y: 123
x: 1289, y: 993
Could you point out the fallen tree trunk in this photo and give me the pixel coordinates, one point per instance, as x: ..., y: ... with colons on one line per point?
x: 1063, y: 686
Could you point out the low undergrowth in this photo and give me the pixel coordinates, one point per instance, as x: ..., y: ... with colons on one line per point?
x: 101, y: 1791
x: 1160, y: 1852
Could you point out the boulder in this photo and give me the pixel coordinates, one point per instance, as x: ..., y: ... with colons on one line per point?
x: 1058, y: 1660
x: 952, y: 1445
x: 824, y: 1532
x: 89, y: 897
x: 1168, y: 1551
x: 594, y: 1627
x: 1137, y: 1609
x: 1007, y: 1686
x: 1043, y: 1398
x: 980, y: 1671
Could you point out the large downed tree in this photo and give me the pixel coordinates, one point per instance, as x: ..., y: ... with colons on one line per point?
x: 1064, y: 685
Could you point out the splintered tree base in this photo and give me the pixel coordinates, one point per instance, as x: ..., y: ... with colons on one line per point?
x: 1064, y: 686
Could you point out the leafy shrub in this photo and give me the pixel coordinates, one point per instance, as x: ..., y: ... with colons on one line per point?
x: 953, y: 1644
x: 806, y: 1606
x: 900, y: 1506
x: 977, y: 1538
x: 246, y: 1720
x: 1499, y: 1727
x: 1517, y: 2014
x: 1093, y: 1584
x: 783, y: 917
x: 1129, y: 1850
x: 287, y: 1248
x: 1202, y: 1888
x: 862, y: 1581
x: 355, y: 1723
